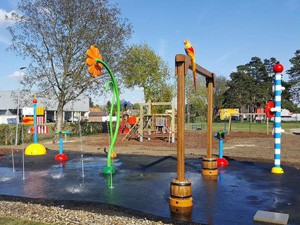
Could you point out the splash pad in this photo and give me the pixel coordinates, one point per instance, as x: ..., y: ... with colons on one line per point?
x: 240, y: 190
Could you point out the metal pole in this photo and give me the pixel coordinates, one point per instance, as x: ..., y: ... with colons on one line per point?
x: 277, y: 120
x: 18, y: 108
x: 17, y: 125
x: 35, y: 137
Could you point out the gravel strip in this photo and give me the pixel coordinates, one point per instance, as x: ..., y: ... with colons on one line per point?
x: 58, y: 215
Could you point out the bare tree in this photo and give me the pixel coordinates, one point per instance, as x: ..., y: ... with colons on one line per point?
x: 55, y: 35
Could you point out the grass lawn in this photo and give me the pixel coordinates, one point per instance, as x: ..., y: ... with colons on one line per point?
x: 244, y: 126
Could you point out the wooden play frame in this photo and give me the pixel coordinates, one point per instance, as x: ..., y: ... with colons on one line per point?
x: 180, y: 199
x: 148, y: 106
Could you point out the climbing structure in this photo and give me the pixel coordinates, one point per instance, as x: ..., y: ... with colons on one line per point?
x: 151, y: 124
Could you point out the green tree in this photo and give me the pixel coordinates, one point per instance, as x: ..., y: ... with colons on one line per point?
x: 196, y: 101
x: 55, y: 35
x: 262, y: 72
x: 142, y: 67
x: 136, y: 106
x: 286, y: 97
x: 294, y: 77
x: 286, y: 93
x: 108, y: 107
x: 240, y: 89
x: 92, y: 105
x: 268, y: 82
x: 221, y: 85
x: 251, y: 85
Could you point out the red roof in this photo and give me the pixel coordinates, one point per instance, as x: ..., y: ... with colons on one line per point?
x: 95, y: 110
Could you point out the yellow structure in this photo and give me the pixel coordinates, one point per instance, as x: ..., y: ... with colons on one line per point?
x: 225, y: 113
x: 28, y: 120
x: 35, y: 149
x: 40, y: 111
x: 277, y: 170
x: 113, y: 154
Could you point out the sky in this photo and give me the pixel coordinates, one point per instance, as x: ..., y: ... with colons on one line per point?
x: 224, y: 34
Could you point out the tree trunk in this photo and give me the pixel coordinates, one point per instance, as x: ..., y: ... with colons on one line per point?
x: 59, y: 120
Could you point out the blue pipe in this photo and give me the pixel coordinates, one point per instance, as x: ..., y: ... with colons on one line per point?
x: 220, y: 148
x: 35, y: 136
x: 60, y: 144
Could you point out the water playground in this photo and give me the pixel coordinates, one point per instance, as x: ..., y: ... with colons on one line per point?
x: 210, y: 190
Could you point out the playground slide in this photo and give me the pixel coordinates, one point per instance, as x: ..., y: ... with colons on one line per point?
x: 122, y: 126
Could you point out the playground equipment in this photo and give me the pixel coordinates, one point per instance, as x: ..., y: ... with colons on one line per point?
x: 124, y: 126
x: 95, y: 63
x: 35, y: 148
x: 151, y: 124
x: 229, y: 112
x: 274, y: 109
x: 61, y: 157
x: 220, y: 136
x: 158, y: 124
x: 180, y: 200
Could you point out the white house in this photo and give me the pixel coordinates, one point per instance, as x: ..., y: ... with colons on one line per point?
x: 11, y: 101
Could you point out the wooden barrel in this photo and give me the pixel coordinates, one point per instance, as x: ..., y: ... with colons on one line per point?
x: 181, y: 189
x: 209, y: 163
x: 209, y: 166
x: 180, y: 200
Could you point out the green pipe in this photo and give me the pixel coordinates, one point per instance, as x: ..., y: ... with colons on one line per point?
x: 113, y: 135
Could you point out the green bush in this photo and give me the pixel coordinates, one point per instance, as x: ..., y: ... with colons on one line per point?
x: 8, y: 132
x: 87, y: 128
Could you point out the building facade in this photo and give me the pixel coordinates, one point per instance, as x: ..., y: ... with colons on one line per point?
x: 13, y: 103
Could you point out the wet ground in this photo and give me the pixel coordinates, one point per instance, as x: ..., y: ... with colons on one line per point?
x: 142, y: 183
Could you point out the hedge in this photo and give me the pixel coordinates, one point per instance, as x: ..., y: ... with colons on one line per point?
x: 8, y: 132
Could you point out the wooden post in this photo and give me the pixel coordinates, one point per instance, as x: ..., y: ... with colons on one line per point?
x: 180, y: 119
x: 173, y: 123
x: 141, y: 123
x: 229, y: 124
x: 267, y: 125
x: 180, y: 200
x: 209, y: 117
x: 209, y: 163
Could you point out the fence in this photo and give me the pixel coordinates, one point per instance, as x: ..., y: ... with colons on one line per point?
x: 8, y: 131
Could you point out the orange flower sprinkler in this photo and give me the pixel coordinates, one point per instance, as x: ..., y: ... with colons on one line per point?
x: 95, y: 63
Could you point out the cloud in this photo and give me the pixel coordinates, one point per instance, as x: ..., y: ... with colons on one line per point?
x: 4, y: 23
x: 3, y: 20
x: 17, y: 75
